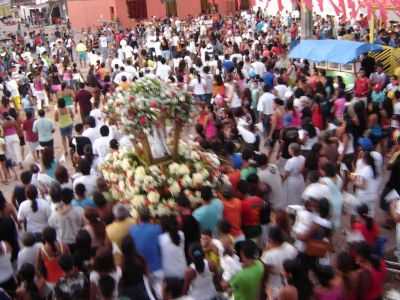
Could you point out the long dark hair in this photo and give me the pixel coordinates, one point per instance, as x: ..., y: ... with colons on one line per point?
x: 362, y: 211
x: 369, y: 160
x: 170, y: 225
x: 49, y: 235
x: 3, y: 201
x: 47, y: 157
x: 197, y: 255
x: 32, y: 194
x: 134, y: 265
x: 298, y: 278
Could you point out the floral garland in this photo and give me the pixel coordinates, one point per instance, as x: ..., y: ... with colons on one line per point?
x: 156, y: 186
x: 147, y: 102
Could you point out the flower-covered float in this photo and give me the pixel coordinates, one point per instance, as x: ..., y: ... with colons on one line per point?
x: 160, y: 166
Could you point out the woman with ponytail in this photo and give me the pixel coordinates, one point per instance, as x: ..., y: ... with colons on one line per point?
x: 48, y: 256
x: 172, y: 246
x: 366, y: 225
x: 366, y: 178
x: 34, y: 212
x: 198, y: 282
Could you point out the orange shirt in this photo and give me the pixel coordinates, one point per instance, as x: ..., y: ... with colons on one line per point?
x: 233, y: 214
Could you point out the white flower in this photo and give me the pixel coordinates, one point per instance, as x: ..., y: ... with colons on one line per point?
x: 187, y: 181
x: 153, y: 197
x: 121, y: 185
x: 138, y: 200
x: 195, y: 156
x: 175, y: 189
x: 197, y: 179
x: 205, y: 173
x: 183, y: 170
x: 154, y: 169
x: 198, y: 166
x: 140, y: 172
x: 162, y: 210
x: 173, y: 168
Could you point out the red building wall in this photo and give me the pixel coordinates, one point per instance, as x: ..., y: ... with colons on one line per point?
x: 186, y: 7
x: 155, y: 8
x: 88, y: 13
x: 91, y: 13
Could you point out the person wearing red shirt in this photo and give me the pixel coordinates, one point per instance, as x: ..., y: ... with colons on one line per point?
x: 366, y: 226
x: 232, y: 211
x: 82, y: 99
x: 372, y: 273
x: 361, y: 86
x: 251, y: 211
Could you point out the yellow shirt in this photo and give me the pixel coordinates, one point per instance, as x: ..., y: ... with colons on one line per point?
x: 81, y: 47
x: 117, y: 230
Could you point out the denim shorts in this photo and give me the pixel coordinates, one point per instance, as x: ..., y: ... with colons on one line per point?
x: 66, y: 131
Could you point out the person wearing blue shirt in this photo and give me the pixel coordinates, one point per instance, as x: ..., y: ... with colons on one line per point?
x: 145, y: 235
x: 228, y: 64
x: 45, y: 129
x: 210, y: 213
x: 268, y: 78
x: 80, y: 197
x: 235, y: 158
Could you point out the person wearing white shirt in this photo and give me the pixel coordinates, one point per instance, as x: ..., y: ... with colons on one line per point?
x: 163, y: 70
x: 131, y: 69
x: 366, y: 180
x: 88, y: 180
x: 116, y: 62
x: 281, y: 89
x: 172, y: 247
x: 92, y: 132
x: 274, y: 256
x: 197, y: 86
x: 103, y: 43
x: 269, y: 174
x: 101, y: 146
x: 248, y: 136
x: 93, y: 58
x: 121, y: 74
x: 34, y: 212
x: 265, y: 107
x: 259, y: 67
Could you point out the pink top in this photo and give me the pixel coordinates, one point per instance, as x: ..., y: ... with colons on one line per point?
x: 333, y: 294
x: 38, y: 85
x: 339, y: 107
x: 9, y: 130
x: 211, y: 130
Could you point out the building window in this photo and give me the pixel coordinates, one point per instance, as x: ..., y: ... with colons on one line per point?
x: 171, y: 8
x: 137, y: 9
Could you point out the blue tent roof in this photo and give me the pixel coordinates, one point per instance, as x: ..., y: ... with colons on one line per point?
x: 334, y: 51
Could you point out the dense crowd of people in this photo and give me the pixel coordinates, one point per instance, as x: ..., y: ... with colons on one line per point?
x: 309, y: 162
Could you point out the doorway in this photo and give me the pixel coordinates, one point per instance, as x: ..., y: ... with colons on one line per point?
x: 112, y: 13
x: 244, y: 4
x: 171, y: 8
x: 204, y: 6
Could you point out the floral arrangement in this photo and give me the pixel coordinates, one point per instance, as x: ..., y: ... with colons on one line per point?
x: 155, y: 186
x: 146, y: 103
